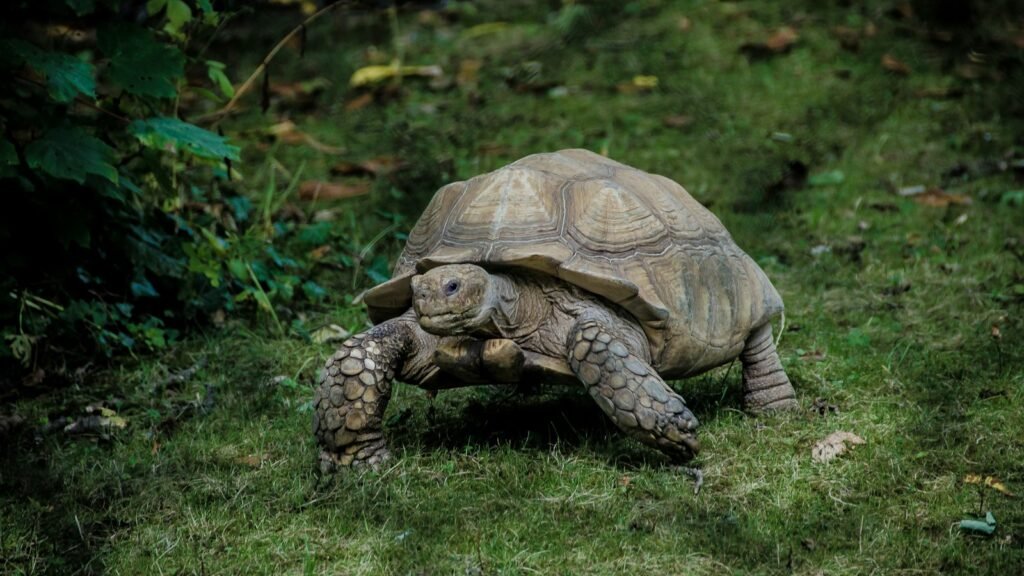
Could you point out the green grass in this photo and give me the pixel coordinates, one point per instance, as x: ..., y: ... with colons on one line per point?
x: 894, y: 324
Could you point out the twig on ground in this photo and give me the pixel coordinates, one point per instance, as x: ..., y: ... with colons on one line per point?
x: 219, y: 115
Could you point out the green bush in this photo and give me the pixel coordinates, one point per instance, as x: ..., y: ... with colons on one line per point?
x: 120, y: 225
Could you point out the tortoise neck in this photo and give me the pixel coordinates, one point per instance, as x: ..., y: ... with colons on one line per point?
x: 519, y: 307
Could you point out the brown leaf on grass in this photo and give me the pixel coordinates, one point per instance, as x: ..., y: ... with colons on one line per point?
x: 317, y: 189
x: 684, y: 24
x: 782, y: 39
x: 939, y: 198
x: 469, y: 72
x: 813, y: 356
x: 298, y: 92
x: 778, y: 43
x: 990, y: 481
x: 361, y: 101
x: 834, y: 445
x: 625, y: 480
x: 890, y: 63
x: 330, y: 333
x: 677, y: 121
x: 373, y: 167
x: 849, y: 38
x: 319, y: 252
x: 289, y: 133
x: 251, y: 460
x: 997, y: 334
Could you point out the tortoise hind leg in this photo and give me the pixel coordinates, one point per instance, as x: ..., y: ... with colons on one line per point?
x: 765, y: 384
x: 630, y: 392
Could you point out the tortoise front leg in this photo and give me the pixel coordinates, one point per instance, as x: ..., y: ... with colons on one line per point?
x: 356, y: 386
x: 629, y: 390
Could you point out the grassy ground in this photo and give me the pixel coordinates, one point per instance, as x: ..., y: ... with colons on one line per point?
x: 904, y: 315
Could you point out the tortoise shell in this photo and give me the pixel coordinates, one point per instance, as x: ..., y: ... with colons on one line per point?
x: 636, y: 239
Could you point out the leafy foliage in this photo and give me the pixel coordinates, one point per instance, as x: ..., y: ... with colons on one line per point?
x: 139, y: 63
x: 69, y: 152
x: 122, y: 224
x: 66, y: 75
x: 174, y: 135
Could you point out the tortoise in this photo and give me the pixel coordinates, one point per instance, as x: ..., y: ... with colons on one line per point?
x: 564, y: 266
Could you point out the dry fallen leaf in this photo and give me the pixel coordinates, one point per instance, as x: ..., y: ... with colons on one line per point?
x: 997, y: 334
x: 890, y: 63
x: 469, y: 72
x: 684, y: 24
x: 330, y: 333
x: 317, y: 189
x: 361, y: 101
x: 677, y: 121
x: 319, y: 252
x: 782, y: 39
x: 252, y: 460
x: 298, y: 92
x: 990, y: 481
x: 939, y: 198
x: 369, y: 75
x: 289, y: 133
x: 372, y: 167
x: 834, y: 445
x: 779, y: 42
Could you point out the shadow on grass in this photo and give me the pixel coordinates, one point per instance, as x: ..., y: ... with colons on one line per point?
x: 559, y: 417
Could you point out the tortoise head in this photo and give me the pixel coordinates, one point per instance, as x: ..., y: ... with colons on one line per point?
x: 453, y: 299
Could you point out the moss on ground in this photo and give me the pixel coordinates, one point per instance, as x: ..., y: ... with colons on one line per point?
x: 906, y: 316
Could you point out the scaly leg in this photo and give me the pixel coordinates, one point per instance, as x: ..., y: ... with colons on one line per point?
x: 356, y: 386
x: 765, y: 383
x: 629, y: 391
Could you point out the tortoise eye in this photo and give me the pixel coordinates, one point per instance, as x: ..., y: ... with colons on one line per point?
x: 451, y: 287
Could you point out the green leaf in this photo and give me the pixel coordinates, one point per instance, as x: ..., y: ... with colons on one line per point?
x: 1012, y: 198
x: 178, y: 14
x: 830, y: 178
x: 66, y: 76
x: 69, y: 152
x: 313, y: 291
x: 216, y: 72
x: 205, y: 6
x: 142, y: 288
x: 172, y: 134
x: 140, y: 63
